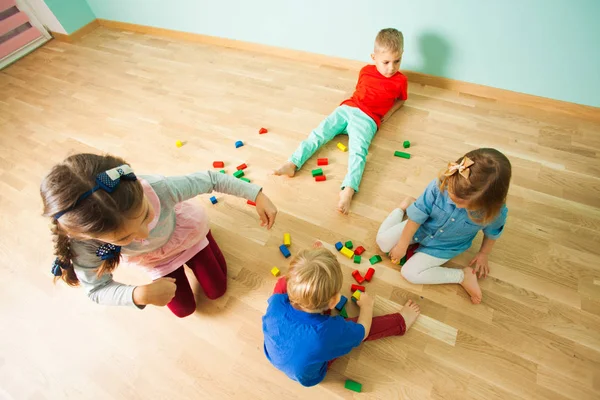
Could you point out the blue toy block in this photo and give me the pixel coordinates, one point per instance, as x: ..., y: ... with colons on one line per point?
x: 338, y: 246
x: 342, y: 303
x: 213, y: 200
x: 284, y: 250
x: 239, y: 143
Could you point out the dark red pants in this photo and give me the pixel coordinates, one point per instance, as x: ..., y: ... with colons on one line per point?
x: 210, y: 269
x: 381, y: 327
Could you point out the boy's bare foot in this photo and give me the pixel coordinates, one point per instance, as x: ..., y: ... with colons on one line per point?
x: 345, y: 200
x: 407, y: 202
x: 289, y: 169
x: 317, y: 244
x: 471, y: 285
x: 410, y: 312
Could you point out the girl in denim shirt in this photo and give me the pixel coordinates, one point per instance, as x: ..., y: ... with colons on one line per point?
x: 468, y: 197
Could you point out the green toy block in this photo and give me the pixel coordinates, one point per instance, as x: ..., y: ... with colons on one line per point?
x: 403, y: 261
x: 245, y: 180
x: 406, y: 144
x: 343, y: 313
x: 401, y: 154
x: 354, y: 386
x: 349, y: 244
x: 317, y: 172
x: 239, y: 173
x: 357, y: 259
x: 375, y: 259
x: 222, y: 171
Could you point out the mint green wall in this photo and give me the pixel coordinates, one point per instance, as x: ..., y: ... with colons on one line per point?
x: 72, y: 14
x: 543, y: 47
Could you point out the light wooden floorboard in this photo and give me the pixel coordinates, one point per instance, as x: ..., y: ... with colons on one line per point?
x: 535, y: 336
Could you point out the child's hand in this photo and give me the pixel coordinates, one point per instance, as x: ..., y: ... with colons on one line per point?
x: 266, y: 210
x: 397, y: 252
x: 366, y: 301
x: 481, y: 267
x: 160, y: 292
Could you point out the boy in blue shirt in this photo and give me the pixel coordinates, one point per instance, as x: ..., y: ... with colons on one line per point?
x: 300, y: 339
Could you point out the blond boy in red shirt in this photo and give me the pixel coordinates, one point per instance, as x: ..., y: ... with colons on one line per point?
x: 380, y: 91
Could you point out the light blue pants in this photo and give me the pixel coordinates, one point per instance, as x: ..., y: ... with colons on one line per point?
x: 360, y: 129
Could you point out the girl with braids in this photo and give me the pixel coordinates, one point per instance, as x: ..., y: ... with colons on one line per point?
x: 102, y: 212
x: 468, y: 197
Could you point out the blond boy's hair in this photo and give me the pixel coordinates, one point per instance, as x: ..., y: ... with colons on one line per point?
x: 389, y: 39
x: 314, y: 277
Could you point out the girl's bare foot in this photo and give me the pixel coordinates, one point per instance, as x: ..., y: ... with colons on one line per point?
x: 410, y: 312
x: 289, y: 169
x: 317, y: 244
x: 407, y: 202
x: 471, y: 285
x: 345, y: 200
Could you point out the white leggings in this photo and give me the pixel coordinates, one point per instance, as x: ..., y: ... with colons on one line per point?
x: 421, y: 268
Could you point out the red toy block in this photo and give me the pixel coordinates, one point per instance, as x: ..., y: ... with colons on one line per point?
x: 241, y: 166
x: 218, y: 164
x: 322, y: 161
x: 320, y: 178
x: 251, y: 203
x: 358, y: 276
x: 262, y: 130
x: 356, y: 287
x: 359, y: 250
x: 369, y: 274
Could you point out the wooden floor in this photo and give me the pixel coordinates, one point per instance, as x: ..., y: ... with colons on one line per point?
x: 535, y: 336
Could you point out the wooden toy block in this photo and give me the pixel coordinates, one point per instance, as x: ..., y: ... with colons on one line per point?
x: 239, y: 173
x: 343, y: 313
x: 356, y: 287
x: 349, y: 244
x: 357, y: 259
x: 354, y: 386
x: 251, y: 203
x: 218, y: 164
x: 179, y: 143
x: 357, y: 276
x: 238, y: 144
x: 347, y: 252
x: 342, y: 147
x: 340, y: 305
x: 338, y: 246
x: 222, y: 171
x: 287, y: 239
x: 369, y: 274
x: 245, y: 180
x: 359, y: 250
x: 284, y: 250
x: 322, y: 161
x: 241, y: 166
x: 401, y: 154
x: 320, y: 178
x: 356, y: 296
x: 262, y: 131
x: 317, y: 172
x: 375, y: 259
x: 275, y: 271
x: 213, y: 200
x: 406, y: 144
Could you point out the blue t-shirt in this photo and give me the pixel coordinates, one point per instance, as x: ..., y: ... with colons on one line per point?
x: 300, y: 343
x: 446, y: 230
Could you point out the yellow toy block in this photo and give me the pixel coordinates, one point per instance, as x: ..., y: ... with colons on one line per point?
x: 356, y: 295
x: 287, y: 239
x: 275, y: 272
x: 342, y: 147
x: 347, y: 252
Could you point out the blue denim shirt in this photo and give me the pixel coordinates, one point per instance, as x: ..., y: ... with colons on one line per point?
x: 446, y: 230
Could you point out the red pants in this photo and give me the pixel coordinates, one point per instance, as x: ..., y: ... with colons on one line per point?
x: 381, y: 327
x: 210, y: 269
